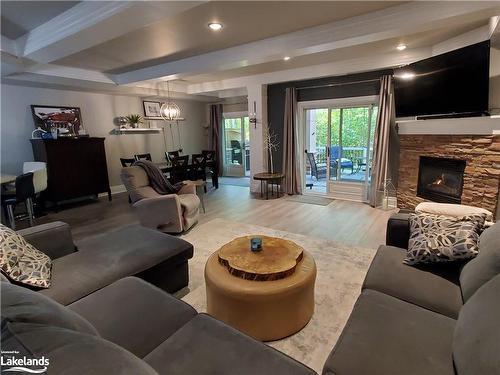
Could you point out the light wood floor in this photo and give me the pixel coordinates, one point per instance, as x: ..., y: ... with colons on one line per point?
x: 349, y: 222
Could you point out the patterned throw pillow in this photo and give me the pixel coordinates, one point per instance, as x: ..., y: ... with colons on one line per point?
x: 21, y: 261
x: 438, y: 238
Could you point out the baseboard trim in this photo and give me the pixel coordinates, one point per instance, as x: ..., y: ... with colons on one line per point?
x: 116, y: 189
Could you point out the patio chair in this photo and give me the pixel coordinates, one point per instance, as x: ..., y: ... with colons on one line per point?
x: 317, y: 170
x: 345, y: 163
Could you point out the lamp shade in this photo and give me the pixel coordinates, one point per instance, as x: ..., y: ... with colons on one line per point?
x: 170, y: 111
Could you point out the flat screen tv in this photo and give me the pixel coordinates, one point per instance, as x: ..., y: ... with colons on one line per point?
x: 453, y: 84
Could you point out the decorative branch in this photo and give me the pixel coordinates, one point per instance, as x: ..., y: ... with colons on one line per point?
x: 270, y: 143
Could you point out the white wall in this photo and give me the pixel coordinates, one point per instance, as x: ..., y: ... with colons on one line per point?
x: 98, y: 112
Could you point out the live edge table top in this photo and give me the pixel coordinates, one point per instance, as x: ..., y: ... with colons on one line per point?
x: 277, y: 259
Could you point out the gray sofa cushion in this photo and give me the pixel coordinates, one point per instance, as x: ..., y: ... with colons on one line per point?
x: 485, y: 266
x: 22, y: 305
x: 433, y: 286
x: 385, y: 335
x: 71, y: 352
x: 134, y: 314
x: 476, y: 343
x: 208, y: 346
x: 107, y: 258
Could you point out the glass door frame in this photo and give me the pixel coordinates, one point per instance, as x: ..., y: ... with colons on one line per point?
x: 235, y: 115
x: 331, y: 104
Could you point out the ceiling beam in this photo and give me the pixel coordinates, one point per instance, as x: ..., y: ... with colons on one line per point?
x: 8, y: 46
x: 375, y: 26
x: 317, y: 71
x: 90, y: 23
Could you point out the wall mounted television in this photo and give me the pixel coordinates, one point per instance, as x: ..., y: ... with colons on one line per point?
x: 454, y: 84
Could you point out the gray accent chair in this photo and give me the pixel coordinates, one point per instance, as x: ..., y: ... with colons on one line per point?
x: 103, y: 259
x: 172, y: 213
x: 132, y: 327
x: 430, y: 319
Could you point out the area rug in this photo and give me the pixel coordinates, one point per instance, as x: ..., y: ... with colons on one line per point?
x: 310, y: 199
x: 341, y: 270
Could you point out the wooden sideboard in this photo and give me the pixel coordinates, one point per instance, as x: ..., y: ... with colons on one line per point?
x: 76, y: 167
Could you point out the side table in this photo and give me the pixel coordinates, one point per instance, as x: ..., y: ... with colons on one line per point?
x: 269, y: 178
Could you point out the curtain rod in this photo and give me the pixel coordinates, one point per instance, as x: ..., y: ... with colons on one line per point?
x: 338, y: 84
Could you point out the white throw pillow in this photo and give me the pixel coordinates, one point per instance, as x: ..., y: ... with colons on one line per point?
x: 450, y: 209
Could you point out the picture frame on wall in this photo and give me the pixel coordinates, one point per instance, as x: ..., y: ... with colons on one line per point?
x: 152, y: 109
x: 48, y: 117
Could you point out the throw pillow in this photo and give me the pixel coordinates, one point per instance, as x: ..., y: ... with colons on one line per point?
x: 437, y: 238
x: 456, y: 210
x: 22, y: 262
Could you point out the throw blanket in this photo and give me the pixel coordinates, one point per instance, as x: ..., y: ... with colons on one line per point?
x: 157, y: 180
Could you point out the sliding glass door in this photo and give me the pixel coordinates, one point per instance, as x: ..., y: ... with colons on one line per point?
x: 236, y: 147
x: 338, y: 148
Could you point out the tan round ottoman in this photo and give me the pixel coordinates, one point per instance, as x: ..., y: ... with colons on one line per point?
x: 265, y: 310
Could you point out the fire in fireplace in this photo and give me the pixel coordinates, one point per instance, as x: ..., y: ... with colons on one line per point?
x: 440, y: 179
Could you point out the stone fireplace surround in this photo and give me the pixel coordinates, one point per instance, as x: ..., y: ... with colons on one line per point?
x: 482, y: 170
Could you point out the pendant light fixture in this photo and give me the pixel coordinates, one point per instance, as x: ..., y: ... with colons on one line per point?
x: 170, y: 111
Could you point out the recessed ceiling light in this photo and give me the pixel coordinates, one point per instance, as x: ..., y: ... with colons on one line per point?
x: 401, y: 47
x: 286, y: 58
x: 216, y: 26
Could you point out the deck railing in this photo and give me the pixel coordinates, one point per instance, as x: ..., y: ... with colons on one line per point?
x: 353, y: 153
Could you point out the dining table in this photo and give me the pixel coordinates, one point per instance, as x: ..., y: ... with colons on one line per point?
x: 166, y: 168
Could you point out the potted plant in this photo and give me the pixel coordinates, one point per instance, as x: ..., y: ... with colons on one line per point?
x: 134, y: 120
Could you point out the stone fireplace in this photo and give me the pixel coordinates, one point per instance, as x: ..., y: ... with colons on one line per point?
x: 440, y: 179
x: 467, y: 165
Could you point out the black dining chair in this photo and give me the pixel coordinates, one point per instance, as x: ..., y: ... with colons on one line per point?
x: 126, y: 162
x: 147, y: 156
x: 212, y: 165
x: 180, y: 170
x: 209, y: 155
x: 25, y: 193
x: 170, y: 155
x: 199, y: 167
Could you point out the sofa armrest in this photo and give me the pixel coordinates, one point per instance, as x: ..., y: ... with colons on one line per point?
x: 53, y: 239
x: 188, y: 188
x: 158, y: 212
x: 398, y: 230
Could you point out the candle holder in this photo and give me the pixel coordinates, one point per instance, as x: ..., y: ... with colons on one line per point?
x: 256, y: 244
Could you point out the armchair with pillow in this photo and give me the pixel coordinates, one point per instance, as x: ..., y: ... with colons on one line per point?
x: 170, y: 213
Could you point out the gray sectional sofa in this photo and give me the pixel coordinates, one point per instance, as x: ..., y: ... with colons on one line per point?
x: 433, y: 319
x: 440, y: 319
x: 103, y: 259
x: 132, y: 327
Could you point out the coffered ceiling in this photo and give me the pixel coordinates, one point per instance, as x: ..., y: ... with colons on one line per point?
x: 133, y: 45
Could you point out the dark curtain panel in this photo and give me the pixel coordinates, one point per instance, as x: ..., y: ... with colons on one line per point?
x: 215, y: 133
x: 291, y: 152
x: 385, y: 121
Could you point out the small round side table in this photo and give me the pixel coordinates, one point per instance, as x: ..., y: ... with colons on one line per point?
x: 272, y: 179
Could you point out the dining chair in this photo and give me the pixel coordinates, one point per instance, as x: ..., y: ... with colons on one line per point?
x: 180, y: 170
x: 212, y: 166
x: 170, y: 155
x: 126, y: 162
x: 40, y: 180
x: 147, y: 156
x: 208, y: 154
x: 199, y: 168
x: 25, y: 192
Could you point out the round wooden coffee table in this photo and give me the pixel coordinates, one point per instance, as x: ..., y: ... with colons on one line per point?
x: 269, y: 294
